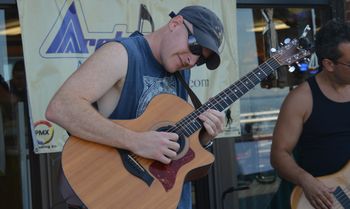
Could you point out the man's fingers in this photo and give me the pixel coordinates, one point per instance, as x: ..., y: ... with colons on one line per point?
x: 327, y: 199
x: 213, y: 121
x: 174, y: 146
x: 209, y: 129
x: 321, y: 204
x: 170, y: 153
x: 171, y: 136
x: 165, y: 160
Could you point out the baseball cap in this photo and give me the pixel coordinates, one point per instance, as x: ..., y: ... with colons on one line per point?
x: 208, y: 30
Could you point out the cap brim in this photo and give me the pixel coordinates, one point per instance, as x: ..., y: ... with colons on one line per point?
x: 213, y: 61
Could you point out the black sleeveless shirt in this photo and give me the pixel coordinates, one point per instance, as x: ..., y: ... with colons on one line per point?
x: 324, y: 144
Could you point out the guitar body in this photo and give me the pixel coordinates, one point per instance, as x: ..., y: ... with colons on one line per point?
x: 99, y: 177
x: 340, y: 179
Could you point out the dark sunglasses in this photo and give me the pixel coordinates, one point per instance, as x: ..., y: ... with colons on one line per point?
x: 194, y: 47
x: 347, y: 65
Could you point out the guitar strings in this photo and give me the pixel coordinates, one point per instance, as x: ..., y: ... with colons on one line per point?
x: 238, y: 85
x: 343, y: 196
x: 251, y: 78
x: 193, y: 117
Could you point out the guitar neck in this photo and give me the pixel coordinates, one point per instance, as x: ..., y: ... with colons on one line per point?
x: 191, y: 123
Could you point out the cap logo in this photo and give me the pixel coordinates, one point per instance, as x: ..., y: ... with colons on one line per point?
x: 218, y: 33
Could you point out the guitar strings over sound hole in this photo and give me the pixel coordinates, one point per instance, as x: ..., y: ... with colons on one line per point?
x: 181, y: 141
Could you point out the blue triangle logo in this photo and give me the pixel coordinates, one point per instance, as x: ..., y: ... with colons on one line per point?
x: 70, y: 37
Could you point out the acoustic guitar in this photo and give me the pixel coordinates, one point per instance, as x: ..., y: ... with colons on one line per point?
x: 108, y: 178
x: 339, y: 180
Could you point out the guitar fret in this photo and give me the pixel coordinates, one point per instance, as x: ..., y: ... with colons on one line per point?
x: 227, y: 104
x: 256, y: 76
x: 342, y: 198
x: 187, y: 132
x: 224, y: 98
x: 263, y: 71
x: 273, y: 65
x: 261, y: 75
x: 232, y: 92
x: 267, y: 63
x: 190, y: 129
x: 250, y: 80
x: 209, y: 105
x: 192, y: 126
x: 198, y: 125
x: 220, y: 108
x: 249, y: 83
x: 235, y: 90
x: 227, y: 97
x: 244, y: 85
x: 189, y: 126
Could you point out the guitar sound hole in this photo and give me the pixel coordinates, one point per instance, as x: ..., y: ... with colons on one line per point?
x: 181, y: 141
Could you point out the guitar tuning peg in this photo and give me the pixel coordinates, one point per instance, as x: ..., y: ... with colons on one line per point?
x: 306, y: 30
x: 291, y: 69
x: 273, y: 50
x: 287, y: 41
x: 304, y: 67
x: 307, y: 60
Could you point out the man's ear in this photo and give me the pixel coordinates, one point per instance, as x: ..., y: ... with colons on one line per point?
x: 328, y: 65
x: 175, y: 21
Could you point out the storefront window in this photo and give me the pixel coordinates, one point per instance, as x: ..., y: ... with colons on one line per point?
x: 15, y: 188
x: 259, y: 30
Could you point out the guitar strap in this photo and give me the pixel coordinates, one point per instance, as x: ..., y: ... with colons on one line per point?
x: 196, y: 102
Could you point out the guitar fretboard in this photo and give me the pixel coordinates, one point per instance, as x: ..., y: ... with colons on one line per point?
x: 342, y: 197
x: 191, y: 123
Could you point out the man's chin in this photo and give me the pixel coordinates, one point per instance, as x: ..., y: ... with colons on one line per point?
x: 171, y: 69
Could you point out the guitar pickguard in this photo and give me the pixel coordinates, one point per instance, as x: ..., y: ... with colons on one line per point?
x: 166, y: 174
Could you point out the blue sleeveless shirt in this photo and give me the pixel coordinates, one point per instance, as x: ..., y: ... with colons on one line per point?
x: 324, y: 144
x: 145, y: 79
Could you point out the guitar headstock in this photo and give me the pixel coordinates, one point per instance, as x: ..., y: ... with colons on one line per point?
x: 291, y: 53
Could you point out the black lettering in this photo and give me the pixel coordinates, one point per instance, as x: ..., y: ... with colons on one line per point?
x: 41, y: 132
x: 199, y: 83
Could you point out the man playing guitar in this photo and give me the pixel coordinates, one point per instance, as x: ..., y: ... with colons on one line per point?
x: 124, y: 75
x: 314, y: 121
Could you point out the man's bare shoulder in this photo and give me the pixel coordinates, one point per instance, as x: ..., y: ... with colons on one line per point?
x: 111, y: 58
x: 299, y: 101
x: 112, y: 48
x: 301, y: 92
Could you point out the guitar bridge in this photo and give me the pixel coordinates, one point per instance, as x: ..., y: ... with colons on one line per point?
x: 134, y: 167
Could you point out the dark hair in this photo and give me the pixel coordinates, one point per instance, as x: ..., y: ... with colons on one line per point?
x: 328, y: 38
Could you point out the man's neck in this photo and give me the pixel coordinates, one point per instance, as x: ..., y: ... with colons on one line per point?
x: 333, y: 88
x: 154, y: 41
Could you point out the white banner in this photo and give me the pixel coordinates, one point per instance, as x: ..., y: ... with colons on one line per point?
x: 58, y: 35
